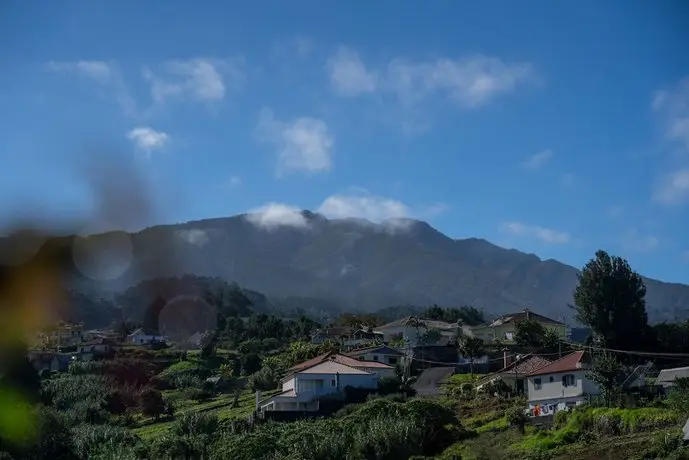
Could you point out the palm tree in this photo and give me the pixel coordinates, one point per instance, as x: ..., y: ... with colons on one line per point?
x: 471, y: 347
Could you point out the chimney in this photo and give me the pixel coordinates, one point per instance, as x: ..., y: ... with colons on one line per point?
x: 258, y: 398
x: 526, y: 310
x: 505, y: 358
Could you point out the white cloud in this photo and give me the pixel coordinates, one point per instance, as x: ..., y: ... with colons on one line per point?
x: 194, y: 236
x: 470, y: 82
x: 148, y: 139
x: 633, y: 241
x: 671, y: 105
x: 546, y: 235
x: 196, y: 79
x: 275, y: 215
x: 386, y: 214
x: 673, y: 188
x: 538, y: 160
x: 97, y: 70
x: 373, y: 208
x: 304, y: 144
x: 348, y: 74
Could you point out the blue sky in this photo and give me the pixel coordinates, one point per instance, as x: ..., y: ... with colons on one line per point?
x: 554, y: 129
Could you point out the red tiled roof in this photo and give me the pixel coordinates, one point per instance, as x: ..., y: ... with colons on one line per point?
x: 342, y: 359
x: 311, y: 362
x: 571, y: 362
x: 526, y: 366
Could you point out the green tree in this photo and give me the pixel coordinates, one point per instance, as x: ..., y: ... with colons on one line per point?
x: 430, y: 337
x: 605, y: 371
x: 251, y: 363
x: 472, y: 348
x: 678, y: 397
x: 516, y: 417
x: 151, y: 402
x: 530, y: 333
x: 610, y: 299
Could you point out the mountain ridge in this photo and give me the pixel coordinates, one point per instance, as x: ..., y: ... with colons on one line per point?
x: 364, y: 266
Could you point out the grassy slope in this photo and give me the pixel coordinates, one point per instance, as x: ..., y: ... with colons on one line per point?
x: 495, y: 440
x: 148, y: 428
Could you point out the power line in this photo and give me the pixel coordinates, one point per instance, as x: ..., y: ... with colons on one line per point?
x: 630, y: 352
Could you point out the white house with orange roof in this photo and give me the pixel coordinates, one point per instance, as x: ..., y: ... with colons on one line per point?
x: 561, y: 384
x: 325, y: 375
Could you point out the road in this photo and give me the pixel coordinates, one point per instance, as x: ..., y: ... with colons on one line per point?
x: 428, y: 383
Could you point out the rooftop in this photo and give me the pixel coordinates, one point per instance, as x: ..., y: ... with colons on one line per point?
x: 333, y: 367
x: 429, y: 323
x: 382, y: 349
x: 670, y: 375
x: 523, y: 315
x: 571, y: 362
x: 527, y: 365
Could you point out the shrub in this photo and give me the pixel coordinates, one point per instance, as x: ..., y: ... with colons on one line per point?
x: 151, y: 402
x: 195, y: 424
x: 516, y: 417
x: 92, y: 440
x: 265, y: 379
x: 678, y: 397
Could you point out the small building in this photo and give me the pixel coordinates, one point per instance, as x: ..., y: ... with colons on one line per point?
x: 62, y: 335
x: 413, y: 331
x: 303, y: 387
x: 666, y: 378
x: 97, y: 346
x: 515, y: 373
x: 379, y: 368
x: 382, y: 354
x: 345, y: 335
x: 561, y: 384
x: 50, y: 361
x: 504, y: 327
x: 144, y: 337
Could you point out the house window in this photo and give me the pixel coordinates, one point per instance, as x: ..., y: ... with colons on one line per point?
x: 375, y: 357
x: 509, y: 335
x: 392, y: 360
x: 333, y: 382
x: 361, y: 358
x: 552, y: 379
x: 568, y: 380
x: 537, y: 383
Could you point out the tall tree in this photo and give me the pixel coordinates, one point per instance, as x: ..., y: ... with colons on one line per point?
x: 610, y: 299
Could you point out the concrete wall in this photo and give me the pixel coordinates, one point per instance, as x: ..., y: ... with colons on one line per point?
x: 324, y: 384
x: 555, y: 390
x: 392, y: 360
x: 288, y: 384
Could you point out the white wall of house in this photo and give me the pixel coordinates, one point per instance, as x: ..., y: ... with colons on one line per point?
x: 380, y: 371
x: 413, y: 334
x: 551, y: 388
x: 391, y: 360
x: 325, y: 384
x: 288, y: 384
